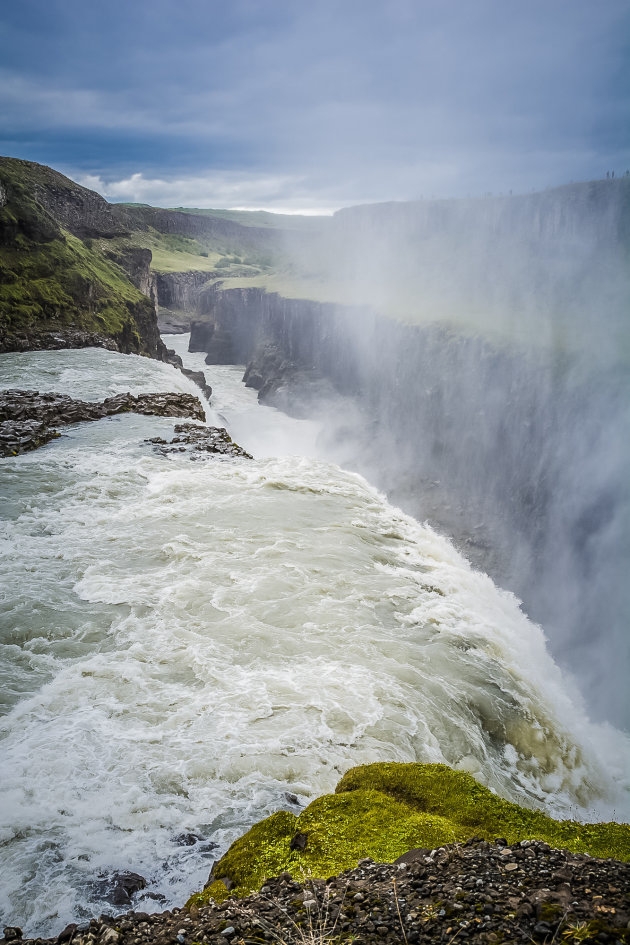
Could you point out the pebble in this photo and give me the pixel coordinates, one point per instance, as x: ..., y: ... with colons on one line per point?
x: 533, y: 902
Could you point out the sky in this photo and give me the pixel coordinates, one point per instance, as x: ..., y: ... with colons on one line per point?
x: 310, y: 105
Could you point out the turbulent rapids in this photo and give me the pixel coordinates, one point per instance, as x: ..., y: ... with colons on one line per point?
x: 189, y: 646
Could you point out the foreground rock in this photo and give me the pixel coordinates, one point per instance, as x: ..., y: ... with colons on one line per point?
x: 199, y: 442
x: 28, y: 419
x: 479, y: 892
x: 382, y: 811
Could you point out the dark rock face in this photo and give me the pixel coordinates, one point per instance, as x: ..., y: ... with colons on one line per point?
x: 136, y: 262
x: 197, y: 377
x: 27, y: 418
x: 282, y: 336
x: 284, y: 384
x: 483, y: 893
x: 179, y: 294
x: 57, y: 340
x: 142, y: 338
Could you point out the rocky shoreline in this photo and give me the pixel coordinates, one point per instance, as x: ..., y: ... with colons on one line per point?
x: 478, y: 892
x: 29, y: 419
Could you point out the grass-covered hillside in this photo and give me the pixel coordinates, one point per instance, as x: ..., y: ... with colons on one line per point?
x: 71, y: 262
x: 60, y: 274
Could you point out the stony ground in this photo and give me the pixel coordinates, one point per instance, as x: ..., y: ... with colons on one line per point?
x: 475, y: 892
x: 198, y: 442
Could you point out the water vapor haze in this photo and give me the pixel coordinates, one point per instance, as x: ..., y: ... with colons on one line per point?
x: 488, y: 346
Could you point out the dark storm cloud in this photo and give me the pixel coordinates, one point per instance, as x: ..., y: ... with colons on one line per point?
x: 317, y: 103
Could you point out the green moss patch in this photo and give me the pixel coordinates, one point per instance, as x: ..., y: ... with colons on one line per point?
x: 457, y: 796
x: 382, y: 811
x: 63, y: 283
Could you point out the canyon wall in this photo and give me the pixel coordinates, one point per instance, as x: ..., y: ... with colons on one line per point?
x: 513, y: 452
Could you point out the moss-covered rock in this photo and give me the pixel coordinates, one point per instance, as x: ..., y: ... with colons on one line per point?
x: 382, y: 811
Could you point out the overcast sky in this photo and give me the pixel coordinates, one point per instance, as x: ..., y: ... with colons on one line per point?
x: 316, y: 104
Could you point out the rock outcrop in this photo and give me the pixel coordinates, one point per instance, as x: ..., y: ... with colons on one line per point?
x: 199, y: 442
x: 178, y: 294
x: 383, y: 811
x: 29, y: 419
x: 197, y: 377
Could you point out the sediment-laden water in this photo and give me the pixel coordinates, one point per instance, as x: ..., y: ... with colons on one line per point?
x: 185, y: 643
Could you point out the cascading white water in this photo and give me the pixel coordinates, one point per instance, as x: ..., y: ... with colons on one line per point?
x: 186, y: 642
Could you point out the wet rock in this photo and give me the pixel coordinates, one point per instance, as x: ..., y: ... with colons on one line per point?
x: 118, y: 888
x: 28, y: 418
x: 299, y: 841
x: 57, y: 340
x: 20, y: 436
x: 187, y: 839
x: 109, y: 936
x: 197, y: 377
x: 67, y: 934
x: 199, y: 441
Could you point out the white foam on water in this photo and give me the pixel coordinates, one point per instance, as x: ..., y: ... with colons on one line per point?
x: 184, y: 642
x: 263, y: 431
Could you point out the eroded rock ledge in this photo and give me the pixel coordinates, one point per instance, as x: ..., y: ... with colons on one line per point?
x: 56, y: 341
x: 198, y: 442
x: 29, y: 419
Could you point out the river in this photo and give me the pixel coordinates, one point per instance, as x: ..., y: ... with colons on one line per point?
x: 188, y: 646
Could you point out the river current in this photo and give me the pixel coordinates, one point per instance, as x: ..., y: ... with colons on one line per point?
x: 188, y: 646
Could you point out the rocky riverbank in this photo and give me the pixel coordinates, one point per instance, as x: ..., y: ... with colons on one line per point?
x: 478, y: 892
x: 29, y: 419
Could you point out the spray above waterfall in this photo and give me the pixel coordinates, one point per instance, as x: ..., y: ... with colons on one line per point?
x: 483, y: 350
